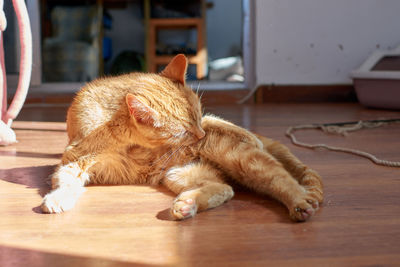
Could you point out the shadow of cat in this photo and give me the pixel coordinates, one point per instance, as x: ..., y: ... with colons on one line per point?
x: 30, y: 154
x: 242, y: 206
x: 32, y: 177
x: 39, y: 177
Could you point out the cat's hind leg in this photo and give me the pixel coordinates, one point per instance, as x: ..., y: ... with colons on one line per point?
x: 199, y: 186
x: 252, y: 166
x: 307, y: 177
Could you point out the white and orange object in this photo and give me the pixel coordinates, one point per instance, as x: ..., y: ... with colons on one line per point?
x: 7, y: 115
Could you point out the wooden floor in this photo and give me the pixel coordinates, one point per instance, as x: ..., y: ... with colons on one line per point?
x: 358, y: 225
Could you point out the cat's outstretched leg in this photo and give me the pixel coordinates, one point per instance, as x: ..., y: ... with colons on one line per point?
x: 261, y: 172
x: 253, y: 167
x: 72, y: 174
x: 199, y: 187
x: 68, y: 185
x: 306, y: 176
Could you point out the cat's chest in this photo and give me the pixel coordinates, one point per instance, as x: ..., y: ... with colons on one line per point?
x: 141, y: 156
x: 153, y: 162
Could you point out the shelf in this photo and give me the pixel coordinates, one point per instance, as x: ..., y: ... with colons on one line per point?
x: 153, y: 25
x: 165, y: 59
x: 176, y: 22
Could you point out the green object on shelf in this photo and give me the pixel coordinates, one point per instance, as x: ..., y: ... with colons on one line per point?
x: 126, y: 62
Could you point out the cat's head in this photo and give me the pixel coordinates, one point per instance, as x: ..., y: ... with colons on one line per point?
x: 164, y: 110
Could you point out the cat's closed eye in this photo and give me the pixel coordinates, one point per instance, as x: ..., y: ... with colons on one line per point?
x: 198, y: 132
x: 194, y: 135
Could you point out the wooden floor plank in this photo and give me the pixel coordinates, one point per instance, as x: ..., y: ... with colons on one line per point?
x: 358, y: 224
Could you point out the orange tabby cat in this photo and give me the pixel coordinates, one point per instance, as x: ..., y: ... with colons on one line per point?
x: 148, y: 129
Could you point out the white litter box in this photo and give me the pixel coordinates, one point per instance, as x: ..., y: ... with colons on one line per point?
x: 377, y: 81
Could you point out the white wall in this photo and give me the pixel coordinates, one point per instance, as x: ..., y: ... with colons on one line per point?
x: 320, y: 41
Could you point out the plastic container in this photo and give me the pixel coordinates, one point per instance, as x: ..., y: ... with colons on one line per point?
x: 377, y: 80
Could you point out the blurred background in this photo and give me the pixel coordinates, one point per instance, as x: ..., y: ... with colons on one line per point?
x: 81, y: 40
x: 311, y: 46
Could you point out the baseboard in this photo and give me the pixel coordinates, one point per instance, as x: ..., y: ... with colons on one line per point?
x: 305, y: 93
x: 221, y: 97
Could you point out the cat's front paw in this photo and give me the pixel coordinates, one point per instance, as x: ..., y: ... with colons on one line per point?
x: 303, y: 210
x: 59, y: 200
x: 183, y: 208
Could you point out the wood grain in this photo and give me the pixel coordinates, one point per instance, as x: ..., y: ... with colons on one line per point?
x: 358, y: 225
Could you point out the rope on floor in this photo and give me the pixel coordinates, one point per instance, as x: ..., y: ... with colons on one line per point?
x: 344, y: 128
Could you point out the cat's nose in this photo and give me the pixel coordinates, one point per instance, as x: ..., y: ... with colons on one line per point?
x: 200, y: 133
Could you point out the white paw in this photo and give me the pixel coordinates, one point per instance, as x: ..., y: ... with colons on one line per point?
x: 61, y: 200
x: 183, y: 209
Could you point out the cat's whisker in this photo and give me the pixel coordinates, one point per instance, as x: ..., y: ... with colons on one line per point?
x: 198, y: 87
x: 169, y: 152
x: 169, y: 159
x: 201, y: 94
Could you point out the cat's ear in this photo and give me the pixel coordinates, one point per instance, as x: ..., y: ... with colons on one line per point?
x: 176, y: 69
x: 141, y: 112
